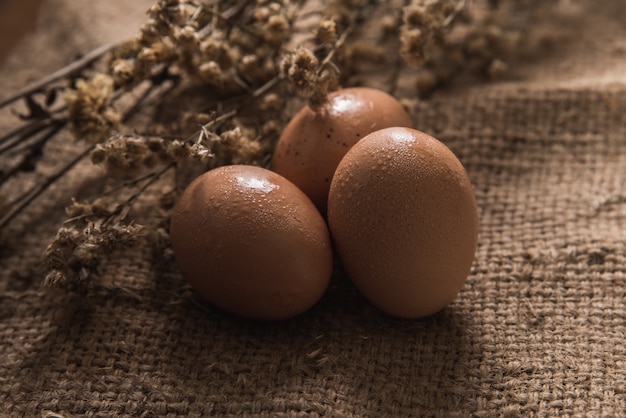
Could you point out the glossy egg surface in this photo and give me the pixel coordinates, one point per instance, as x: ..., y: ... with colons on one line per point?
x: 403, y: 217
x: 313, y: 143
x: 251, y: 243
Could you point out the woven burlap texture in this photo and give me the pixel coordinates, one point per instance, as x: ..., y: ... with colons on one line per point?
x: 538, y: 330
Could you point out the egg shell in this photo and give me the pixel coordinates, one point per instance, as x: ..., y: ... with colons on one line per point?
x: 251, y: 243
x: 402, y: 213
x: 313, y: 143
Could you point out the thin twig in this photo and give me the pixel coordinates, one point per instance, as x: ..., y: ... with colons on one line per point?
x: 267, y: 86
x: 66, y: 71
x: 126, y: 185
x: 220, y: 16
x: 31, y: 156
x: 226, y: 15
x: 250, y: 95
x: 457, y: 10
x: 136, y: 107
x: 121, y: 208
x: 153, y: 177
x: 26, y: 132
x: 25, y: 199
x: 204, y: 128
x: 338, y: 43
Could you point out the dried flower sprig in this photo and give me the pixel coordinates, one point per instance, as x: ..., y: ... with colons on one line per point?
x: 74, y: 254
x: 94, y: 229
x: 445, y: 39
x: 91, y: 116
x: 425, y: 24
x: 257, y: 62
x: 312, y: 77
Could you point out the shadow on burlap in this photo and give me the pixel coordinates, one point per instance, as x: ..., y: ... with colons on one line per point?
x: 538, y: 330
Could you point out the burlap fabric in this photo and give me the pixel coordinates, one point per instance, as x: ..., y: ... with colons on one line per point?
x: 538, y: 330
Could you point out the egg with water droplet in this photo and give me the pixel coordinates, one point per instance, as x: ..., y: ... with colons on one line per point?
x: 407, y: 236
x: 313, y: 142
x: 250, y: 242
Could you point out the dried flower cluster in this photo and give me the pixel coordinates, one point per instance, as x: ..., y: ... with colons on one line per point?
x: 444, y: 39
x: 90, y: 113
x: 253, y: 63
x: 229, y: 46
x: 78, y: 248
x: 76, y: 252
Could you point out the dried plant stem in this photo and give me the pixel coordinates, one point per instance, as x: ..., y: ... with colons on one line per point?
x: 120, y: 212
x: 338, y: 43
x: 19, y: 204
x: 250, y: 95
x: 34, y: 152
x: 267, y: 86
x: 125, y: 185
x: 67, y: 71
x: 226, y: 18
x: 460, y: 6
x: 221, y: 118
x: 23, y: 133
x: 136, y: 106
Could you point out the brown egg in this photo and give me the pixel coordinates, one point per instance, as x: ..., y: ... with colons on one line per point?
x: 312, y: 144
x: 251, y: 243
x: 402, y: 214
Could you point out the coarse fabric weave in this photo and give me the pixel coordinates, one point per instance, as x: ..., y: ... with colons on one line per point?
x: 539, y: 330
